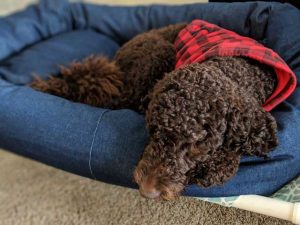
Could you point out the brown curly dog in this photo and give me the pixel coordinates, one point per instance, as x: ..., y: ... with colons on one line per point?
x: 123, y: 83
x: 202, y: 118
x: 201, y: 121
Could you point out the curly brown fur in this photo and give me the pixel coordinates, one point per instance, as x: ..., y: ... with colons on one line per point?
x: 144, y: 60
x: 200, y: 122
x: 256, y: 78
x: 123, y: 83
x: 169, y: 33
x: 95, y: 81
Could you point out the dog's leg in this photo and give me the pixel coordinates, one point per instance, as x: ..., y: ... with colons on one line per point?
x: 218, y: 168
x: 94, y: 81
x: 253, y: 130
x: 54, y: 86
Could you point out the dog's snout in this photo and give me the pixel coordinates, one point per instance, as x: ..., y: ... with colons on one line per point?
x: 148, y: 189
x: 150, y: 193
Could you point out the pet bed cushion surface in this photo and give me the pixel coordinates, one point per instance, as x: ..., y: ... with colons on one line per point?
x: 106, y: 144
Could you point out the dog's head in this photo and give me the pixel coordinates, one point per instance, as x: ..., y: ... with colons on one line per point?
x: 165, y: 170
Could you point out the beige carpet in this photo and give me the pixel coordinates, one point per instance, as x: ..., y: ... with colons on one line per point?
x: 34, y: 194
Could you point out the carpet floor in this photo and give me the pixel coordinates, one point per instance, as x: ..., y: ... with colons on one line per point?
x: 35, y: 194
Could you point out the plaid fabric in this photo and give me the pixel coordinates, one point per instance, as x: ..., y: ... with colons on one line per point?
x: 200, y: 40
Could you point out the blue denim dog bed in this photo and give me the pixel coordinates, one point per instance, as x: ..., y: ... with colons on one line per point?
x: 104, y: 144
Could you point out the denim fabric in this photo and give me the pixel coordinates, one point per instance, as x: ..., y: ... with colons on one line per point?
x: 105, y: 144
x: 46, y: 56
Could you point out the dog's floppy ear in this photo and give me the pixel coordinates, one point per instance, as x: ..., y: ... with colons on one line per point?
x: 215, y: 168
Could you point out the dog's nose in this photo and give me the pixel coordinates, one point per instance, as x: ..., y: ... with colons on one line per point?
x: 150, y: 193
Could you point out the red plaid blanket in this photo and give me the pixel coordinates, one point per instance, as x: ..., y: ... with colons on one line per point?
x: 200, y: 40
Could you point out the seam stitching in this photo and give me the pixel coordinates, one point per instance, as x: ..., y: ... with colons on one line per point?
x: 92, y: 145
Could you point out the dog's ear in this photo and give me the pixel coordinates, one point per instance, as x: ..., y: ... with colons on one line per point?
x: 218, y: 167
